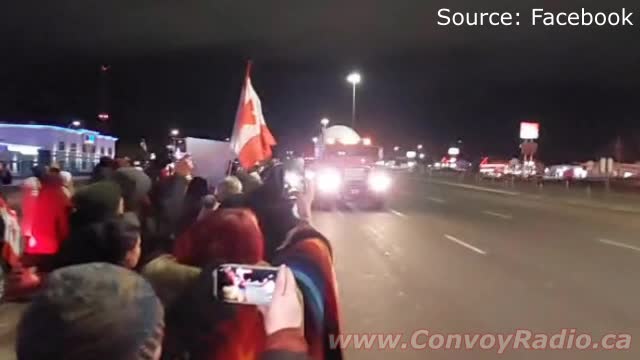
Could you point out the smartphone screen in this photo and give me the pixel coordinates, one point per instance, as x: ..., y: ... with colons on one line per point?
x: 245, y: 284
x: 294, y: 180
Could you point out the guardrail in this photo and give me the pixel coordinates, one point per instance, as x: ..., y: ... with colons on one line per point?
x: 612, y: 191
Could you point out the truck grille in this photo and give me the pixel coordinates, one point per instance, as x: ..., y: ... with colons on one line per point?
x: 355, y: 174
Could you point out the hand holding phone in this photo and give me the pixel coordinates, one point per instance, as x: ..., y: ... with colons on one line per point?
x: 285, y: 310
x: 245, y: 284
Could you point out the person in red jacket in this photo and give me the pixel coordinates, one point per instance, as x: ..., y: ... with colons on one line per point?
x: 50, y: 224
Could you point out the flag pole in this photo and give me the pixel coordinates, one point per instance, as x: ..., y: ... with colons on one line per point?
x: 244, y: 86
x: 248, y: 72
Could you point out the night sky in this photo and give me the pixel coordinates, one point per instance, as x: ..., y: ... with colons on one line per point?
x: 181, y: 63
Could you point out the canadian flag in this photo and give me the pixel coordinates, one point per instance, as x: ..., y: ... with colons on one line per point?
x: 251, y: 140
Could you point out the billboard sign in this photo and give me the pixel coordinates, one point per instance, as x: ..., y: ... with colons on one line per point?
x: 529, y: 130
x: 454, y: 151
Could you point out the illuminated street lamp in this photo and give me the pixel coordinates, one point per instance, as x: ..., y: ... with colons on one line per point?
x: 419, y: 146
x: 75, y: 124
x: 324, y: 122
x: 354, y: 78
x: 175, y: 132
x: 396, y: 148
x: 422, y: 156
x: 314, y: 139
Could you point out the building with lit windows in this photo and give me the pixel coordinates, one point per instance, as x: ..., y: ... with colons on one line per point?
x: 75, y: 150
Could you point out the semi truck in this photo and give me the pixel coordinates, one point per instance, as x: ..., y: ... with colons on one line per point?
x: 348, y: 169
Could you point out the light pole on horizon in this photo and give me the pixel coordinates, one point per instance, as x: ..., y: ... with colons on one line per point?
x: 174, y: 140
x: 354, y: 78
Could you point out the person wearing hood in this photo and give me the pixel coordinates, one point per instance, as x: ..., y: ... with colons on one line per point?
x: 291, y: 240
x: 51, y: 223
x: 193, y: 203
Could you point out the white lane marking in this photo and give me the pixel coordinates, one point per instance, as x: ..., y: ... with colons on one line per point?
x: 397, y: 213
x: 435, y: 199
x: 351, y: 207
x: 374, y: 231
x: 619, y: 244
x: 462, y: 243
x: 478, y: 188
x: 498, y: 215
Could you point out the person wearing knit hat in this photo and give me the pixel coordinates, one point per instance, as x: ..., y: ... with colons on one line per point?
x: 96, y: 202
x: 93, y: 311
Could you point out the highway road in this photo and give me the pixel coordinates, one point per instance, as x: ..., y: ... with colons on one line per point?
x: 464, y: 260
x: 460, y: 260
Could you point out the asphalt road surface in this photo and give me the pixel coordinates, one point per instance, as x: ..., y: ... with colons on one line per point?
x: 464, y: 261
x: 454, y: 260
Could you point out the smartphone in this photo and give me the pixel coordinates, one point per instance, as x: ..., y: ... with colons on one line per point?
x: 294, y: 177
x: 244, y: 284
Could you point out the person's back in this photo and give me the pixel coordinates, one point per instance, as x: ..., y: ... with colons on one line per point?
x: 92, y: 311
x: 6, y: 178
x: 232, y: 332
x: 51, y: 218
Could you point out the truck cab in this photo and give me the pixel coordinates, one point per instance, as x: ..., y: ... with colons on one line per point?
x: 348, y: 172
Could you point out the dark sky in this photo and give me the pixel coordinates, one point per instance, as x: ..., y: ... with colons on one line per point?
x: 180, y: 63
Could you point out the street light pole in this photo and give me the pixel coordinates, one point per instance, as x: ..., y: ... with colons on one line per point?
x: 354, y: 78
x: 353, y: 108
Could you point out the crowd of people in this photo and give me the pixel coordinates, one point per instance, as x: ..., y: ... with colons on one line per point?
x: 121, y: 268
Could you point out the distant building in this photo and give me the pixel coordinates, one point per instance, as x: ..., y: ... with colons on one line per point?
x: 76, y: 150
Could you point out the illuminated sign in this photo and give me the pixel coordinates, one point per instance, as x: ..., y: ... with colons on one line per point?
x: 529, y: 130
x: 89, y: 139
x: 453, y: 151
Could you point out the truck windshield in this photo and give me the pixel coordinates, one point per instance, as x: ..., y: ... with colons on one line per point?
x: 369, y: 152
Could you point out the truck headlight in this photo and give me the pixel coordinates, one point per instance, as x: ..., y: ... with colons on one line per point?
x: 379, y: 182
x: 328, y: 180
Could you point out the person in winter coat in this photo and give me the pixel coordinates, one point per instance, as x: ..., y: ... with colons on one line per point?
x: 291, y: 240
x: 11, y: 240
x: 169, y: 197
x: 116, y: 241
x: 95, y: 203
x: 193, y: 202
x: 135, y: 186
x: 67, y: 183
x: 51, y: 224
x: 30, y: 191
x: 104, y: 312
x: 5, y: 174
x: 211, y: 329
x: 92, y: 311
x: 103, y: 170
